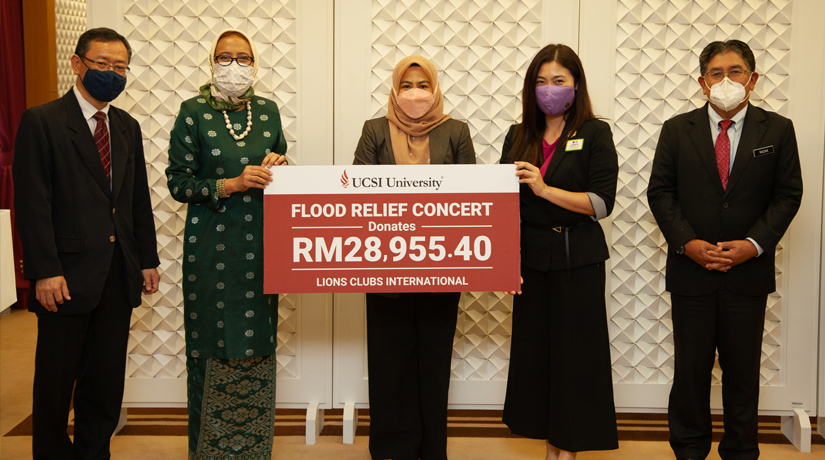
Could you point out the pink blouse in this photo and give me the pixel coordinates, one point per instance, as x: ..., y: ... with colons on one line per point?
x: 548, y: 154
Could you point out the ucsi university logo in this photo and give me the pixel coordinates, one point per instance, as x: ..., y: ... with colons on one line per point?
x: 389, y: 182
x: 361, y: 182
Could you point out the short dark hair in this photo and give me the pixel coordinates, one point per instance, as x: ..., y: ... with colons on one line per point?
x: 101, y: 34
x: 737, y: 46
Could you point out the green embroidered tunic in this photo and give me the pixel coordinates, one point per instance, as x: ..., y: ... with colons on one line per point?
x: 226, y: 314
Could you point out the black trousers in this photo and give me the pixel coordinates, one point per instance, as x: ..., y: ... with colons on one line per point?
x: 410, y: 345
x: 559, y: 385
x: 732, y: 324
x: 89, y: 349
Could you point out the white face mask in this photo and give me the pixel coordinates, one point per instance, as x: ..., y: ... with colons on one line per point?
x: 727, y: 94
x: 233, y: 80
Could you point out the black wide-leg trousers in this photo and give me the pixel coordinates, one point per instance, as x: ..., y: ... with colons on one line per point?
x: 559, y: 386
x: 410, y: 345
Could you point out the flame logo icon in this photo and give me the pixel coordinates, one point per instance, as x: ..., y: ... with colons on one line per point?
x: 344, y: 179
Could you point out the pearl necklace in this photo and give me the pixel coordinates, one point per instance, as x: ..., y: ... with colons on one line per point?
x: 248, y: 123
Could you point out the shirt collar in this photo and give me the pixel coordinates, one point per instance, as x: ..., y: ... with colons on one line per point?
x: 86, y: 107
x: 715, y: 118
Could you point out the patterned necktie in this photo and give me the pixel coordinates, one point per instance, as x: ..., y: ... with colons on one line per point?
x: 102, y: 142
x: 723, y: 152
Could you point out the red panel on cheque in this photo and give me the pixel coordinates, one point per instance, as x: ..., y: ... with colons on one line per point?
x: 430, y: 228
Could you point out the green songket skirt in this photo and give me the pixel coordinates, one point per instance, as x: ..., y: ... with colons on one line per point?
x: 231, y: 408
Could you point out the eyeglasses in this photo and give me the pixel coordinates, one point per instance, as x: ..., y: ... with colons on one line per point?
x: 102, y: 65
x: 243, y: 61
x: 718, y: 75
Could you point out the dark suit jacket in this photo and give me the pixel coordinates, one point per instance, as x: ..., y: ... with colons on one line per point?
x: 450, y: 143
x: 69, y: 221
x: 595, y: 169
x: 687, y: 199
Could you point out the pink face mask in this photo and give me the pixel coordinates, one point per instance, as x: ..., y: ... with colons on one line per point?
x: 416, y: 102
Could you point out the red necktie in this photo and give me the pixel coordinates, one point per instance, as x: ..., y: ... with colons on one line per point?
x: 723, y: 152
x: 102, y: 142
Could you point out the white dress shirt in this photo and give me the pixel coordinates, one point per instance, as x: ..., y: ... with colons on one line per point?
x: 734, y: 134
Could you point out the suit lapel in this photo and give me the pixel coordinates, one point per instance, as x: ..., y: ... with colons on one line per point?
x: 702, y: 140
x: 439, y: 145
x: 119, y: 151
x: 752, y: 131
x: 84, y: 142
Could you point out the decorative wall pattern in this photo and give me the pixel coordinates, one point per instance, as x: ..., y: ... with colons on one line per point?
x: 481, y: 350
x: 482, y: 50
x: 657, y: 62
x: 70, y: 23
x: 170, y: 40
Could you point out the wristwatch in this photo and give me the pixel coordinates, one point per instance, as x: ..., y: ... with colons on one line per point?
x: 681, y: 250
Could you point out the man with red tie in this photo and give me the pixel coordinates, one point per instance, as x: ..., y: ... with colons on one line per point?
x: 85, y: 221
x: 725, y: 185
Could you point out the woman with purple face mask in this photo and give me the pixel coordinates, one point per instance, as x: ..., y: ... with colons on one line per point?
x: 410, y: 335
x: 559, y: 386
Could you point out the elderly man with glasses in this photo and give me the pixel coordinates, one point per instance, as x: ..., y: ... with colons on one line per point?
x: 85, y: 220
x: 725, y: 185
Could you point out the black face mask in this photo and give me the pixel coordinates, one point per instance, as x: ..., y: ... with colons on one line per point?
x: 102, y: 85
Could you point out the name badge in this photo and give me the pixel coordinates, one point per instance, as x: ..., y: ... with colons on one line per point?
x: 574, y: 144
x: 761, y: 151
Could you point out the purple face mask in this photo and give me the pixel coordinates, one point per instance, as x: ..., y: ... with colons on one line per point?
x: 555, y: 100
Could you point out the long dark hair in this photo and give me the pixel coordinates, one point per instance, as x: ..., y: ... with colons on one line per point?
x: 529, y: 134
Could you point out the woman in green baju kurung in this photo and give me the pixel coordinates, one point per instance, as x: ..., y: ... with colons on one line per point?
x: 217, y: 144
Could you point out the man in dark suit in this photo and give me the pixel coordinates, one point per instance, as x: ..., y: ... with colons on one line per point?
x: 85, y: 220
x: 725, y: 185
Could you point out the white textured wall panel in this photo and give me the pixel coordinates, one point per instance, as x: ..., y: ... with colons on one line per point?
x: 657, y: 63
x: 482, y: 49
x: 171, y: 41
x: 70, y: 23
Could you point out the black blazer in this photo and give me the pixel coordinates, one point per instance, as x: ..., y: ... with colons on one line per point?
x: 687, y: 199
x: 595, y: 169
x: 450, y: 143
x: 69, y: 221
